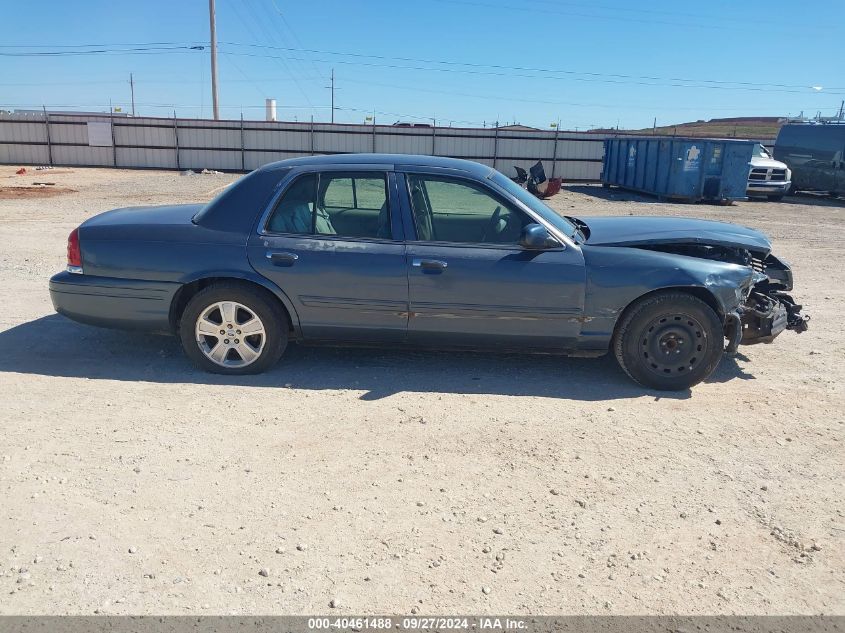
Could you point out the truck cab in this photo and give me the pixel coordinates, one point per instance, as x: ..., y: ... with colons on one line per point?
x: 767, y: 177
x: 815, y: 152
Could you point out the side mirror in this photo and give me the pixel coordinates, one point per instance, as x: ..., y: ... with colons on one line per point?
x: 536, y: 238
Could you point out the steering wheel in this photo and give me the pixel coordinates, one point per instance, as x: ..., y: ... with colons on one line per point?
x: 492, y: 224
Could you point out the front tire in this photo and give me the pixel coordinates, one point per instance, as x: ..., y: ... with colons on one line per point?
x: 230, y: 328
x: 669, y: 341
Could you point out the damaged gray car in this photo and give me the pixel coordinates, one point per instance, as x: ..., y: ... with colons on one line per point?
x: 396, y: 250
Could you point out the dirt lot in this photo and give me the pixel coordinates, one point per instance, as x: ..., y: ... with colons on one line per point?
x: 392, y: 481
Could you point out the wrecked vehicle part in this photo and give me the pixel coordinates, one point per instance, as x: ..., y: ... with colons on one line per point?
x: 609, y: 294
x: 766, y: 310
x: 748, y: 287
x: 766, y: 313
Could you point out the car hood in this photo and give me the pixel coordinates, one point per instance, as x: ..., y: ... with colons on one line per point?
x: 767, y: 163
x: 652, y: 231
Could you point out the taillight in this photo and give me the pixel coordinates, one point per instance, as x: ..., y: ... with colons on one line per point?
x: 74, y: 254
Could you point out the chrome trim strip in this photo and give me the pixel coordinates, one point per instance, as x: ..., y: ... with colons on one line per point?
x: 76, y: 270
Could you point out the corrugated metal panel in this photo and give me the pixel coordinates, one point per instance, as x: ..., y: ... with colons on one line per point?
x: 396, y: 144
x: 144, y: 136
x: 68, y: 133
x: 209, y: 159
x: 26, y: 132
x: 150, y: 142
x: 209, y: 138
x: 143, y: 157
x: 272, y: 139
x: 23, y: 154
x: 83, y: 155
x: 254, y: 160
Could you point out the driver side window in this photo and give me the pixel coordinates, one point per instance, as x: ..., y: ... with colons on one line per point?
x: 453, y: 210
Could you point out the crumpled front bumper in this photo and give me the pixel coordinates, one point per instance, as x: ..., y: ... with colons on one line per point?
x: 767, y: 310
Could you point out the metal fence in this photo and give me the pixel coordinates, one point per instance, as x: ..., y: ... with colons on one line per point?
x: 238, y: 145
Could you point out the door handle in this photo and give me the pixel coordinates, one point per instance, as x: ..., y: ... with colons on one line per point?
x: 282, y: 259
x: 432, y: 266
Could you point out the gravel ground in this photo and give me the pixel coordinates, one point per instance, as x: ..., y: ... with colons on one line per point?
x: 399, y: 482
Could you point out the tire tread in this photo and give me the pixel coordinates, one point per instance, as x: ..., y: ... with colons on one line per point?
x: 656, y: 301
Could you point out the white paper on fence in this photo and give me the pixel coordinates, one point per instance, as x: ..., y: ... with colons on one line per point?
x: 99, y: 134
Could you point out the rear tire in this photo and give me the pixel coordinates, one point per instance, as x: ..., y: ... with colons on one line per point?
x: 669, y: 341
x: 230, y: 328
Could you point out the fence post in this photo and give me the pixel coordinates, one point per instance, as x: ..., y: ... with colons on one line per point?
x: 554, y: 152
x: 434, y: 137
x: 312, y: 135
x: 113, y: 143
x: 243, y: 152
x: 47, y: 129
x: 496, y: 145
x: 176, y: 139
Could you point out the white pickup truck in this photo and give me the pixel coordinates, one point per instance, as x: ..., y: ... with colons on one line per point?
x: 768, y: 177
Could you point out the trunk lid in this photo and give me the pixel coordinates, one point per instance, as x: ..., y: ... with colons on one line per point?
x: 151, y: 223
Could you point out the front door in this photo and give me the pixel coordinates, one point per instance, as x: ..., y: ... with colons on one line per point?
x: 332, y: 246
x: 470, y: 282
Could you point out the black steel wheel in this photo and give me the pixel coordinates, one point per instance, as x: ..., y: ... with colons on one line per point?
x: 669, y: 341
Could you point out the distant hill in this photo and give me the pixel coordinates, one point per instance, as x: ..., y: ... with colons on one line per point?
x: 736, y: 127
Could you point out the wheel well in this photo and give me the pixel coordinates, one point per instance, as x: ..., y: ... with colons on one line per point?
x: 699, y: 293
x: 184, y: 294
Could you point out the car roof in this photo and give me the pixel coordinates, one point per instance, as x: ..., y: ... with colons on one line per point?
x: 395, y: 160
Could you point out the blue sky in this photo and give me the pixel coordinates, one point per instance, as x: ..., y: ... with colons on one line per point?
x: 461, y: 62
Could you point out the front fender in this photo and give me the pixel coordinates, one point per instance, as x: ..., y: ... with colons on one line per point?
x: 618, y: 276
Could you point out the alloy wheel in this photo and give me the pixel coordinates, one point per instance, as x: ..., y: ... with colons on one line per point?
x: 230, y: 334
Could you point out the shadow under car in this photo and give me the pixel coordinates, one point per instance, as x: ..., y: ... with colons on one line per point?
x: 56, y: 346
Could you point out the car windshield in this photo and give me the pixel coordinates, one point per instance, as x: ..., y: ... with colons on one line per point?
x: 534, y: 203
x: 761, y: 151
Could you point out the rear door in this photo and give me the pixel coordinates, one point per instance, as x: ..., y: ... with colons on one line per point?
x: 470, y: 282
x: 332, y: 241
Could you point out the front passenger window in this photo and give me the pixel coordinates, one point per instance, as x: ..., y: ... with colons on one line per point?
x: 452, y: 210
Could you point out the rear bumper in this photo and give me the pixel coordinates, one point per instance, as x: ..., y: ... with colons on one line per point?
x: 114, y: 303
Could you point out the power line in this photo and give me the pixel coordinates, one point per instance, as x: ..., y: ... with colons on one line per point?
x: 450, y: 66
x: 280, y: 61
x: 561, y: 9
x: 550, y: 74
x: 100, y: 51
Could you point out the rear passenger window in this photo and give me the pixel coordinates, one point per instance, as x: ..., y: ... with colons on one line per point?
x: 335, y: 203
x: 295, y: 211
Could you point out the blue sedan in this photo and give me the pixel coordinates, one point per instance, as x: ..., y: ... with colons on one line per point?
x: 416, y: 250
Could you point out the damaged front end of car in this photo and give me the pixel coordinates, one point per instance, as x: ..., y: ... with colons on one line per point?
x: 767, y: 309
x: 763, y: 309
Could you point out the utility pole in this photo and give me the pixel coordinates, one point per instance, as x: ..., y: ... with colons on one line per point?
x: 841, y: 109
x: 213, y: 22
x: 332, y: 87
x: 132, y: 90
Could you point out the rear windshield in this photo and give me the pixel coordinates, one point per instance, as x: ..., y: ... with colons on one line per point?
x: 238, y: 206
